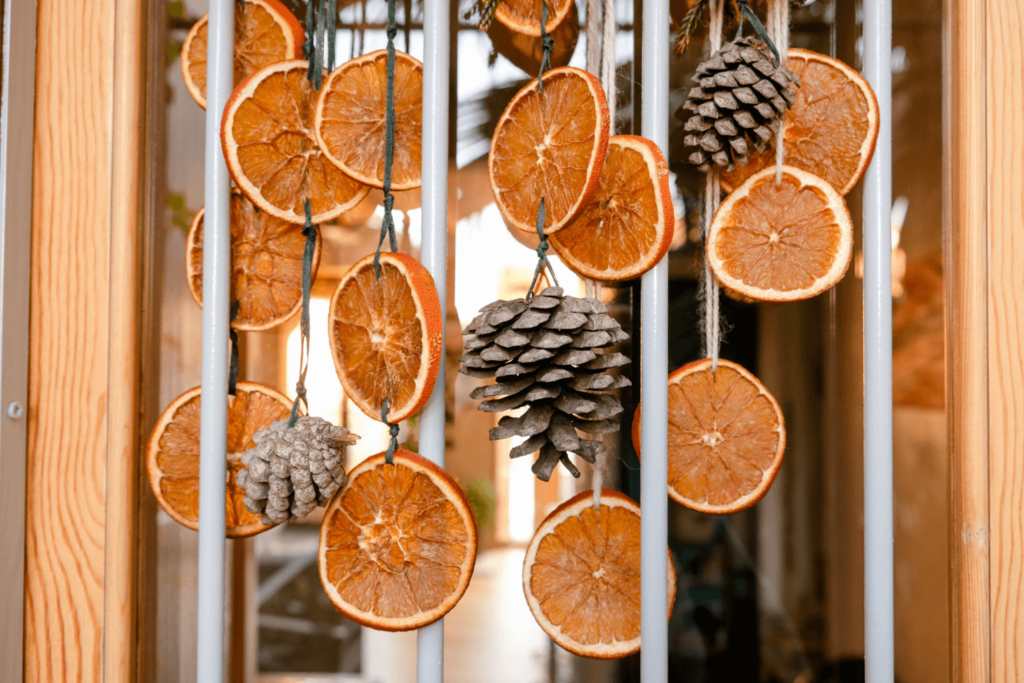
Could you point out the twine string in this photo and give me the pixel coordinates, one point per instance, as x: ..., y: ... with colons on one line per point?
x: 593, y: 39
x: 310, y: 231
x: 778, y: 28
x: 542, y: 253
x: 751, y: 16
x: 393, y: 429
x: 608, y: 65
x: 387, y: 226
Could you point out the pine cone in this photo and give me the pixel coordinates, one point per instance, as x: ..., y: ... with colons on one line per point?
x: 291, y: 471
x: 541, y: 350
x: 741, y: 96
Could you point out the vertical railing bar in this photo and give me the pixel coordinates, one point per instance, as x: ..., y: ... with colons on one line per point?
x: 878, y: 488
x: 434, y: 255
x: 654, y: 372
x: 216, y: 303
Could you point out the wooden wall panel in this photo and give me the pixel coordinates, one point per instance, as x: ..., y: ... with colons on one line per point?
x: 68, y: 364
x: 1004, y: 84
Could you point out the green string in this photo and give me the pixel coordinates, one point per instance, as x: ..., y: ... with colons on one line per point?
x: 332, y: 30
x: 759, y: 29
x: 387, y: 227
x: 233, y: 371
x: 393, y: 430
x: 310, y: 231
x: 548, y: 45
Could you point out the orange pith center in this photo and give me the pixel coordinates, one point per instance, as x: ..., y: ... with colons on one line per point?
x: 779, y: 237
x: 586, y: 576
x: 378, y: 333
x: 277, y: 151
x: 723, y: 436
x: 395, y: 543
x: 618, y: 227
x: 544, y: 149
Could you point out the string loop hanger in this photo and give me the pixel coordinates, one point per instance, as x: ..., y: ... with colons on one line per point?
x: 387, y: 227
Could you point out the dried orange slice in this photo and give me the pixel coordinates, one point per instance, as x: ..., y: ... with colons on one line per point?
x: 265, y: 33
x: 172, y: 456
x: 272, y: 153
x: 350, y: 115
x: 627, y: 226
x: 385, y: 335
x: 266, y: 265
x: 397, y: 544
x: 781, y: 242
x: 526, y: 50
x: 523, y: 16
x: 581, y: 576
x: 726, y: 437
x: 831, y: 129
x: 550, y: 145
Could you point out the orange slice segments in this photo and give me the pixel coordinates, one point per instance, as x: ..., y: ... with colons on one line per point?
x: 350, y: 118
x: 627, y: 226
x: 172, y: 455
x: 781, y: 242
x: 266, y: 265
x: 385, y: 335
x: 831, y: 129
x: 265, y: 33
x: 550, y: 145
x: 523, y: 16
x: 726, y: 437
x: 581, y: 576
x: 526, y: 50
x: 397, y: 544
x: 272, y: 153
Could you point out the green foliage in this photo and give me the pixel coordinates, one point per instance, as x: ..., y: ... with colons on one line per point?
x: 181, y: 216
x: 176, y: 9
x: 482, y: 500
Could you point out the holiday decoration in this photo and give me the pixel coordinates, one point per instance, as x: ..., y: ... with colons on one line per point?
x: 291, y: 471
x: 581, y: 576
x: 737, y: 106
x: 726, y: 437
x: 397, y: 544
x: 526, y: 51
x: 542, y: 350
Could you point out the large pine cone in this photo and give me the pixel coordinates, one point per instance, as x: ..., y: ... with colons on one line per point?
x: 741, y: 96
x: 542, y: 352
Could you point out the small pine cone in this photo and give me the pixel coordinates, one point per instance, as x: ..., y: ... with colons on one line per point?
x: 741, y: 95
x: 291, y: 471
x: 542, y: 352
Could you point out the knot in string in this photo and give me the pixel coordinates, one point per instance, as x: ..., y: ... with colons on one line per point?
x: 542, y: 252
x: 393, y: 430
x: 310, y: 231
x: 547, y: 46
x: 387, y: 226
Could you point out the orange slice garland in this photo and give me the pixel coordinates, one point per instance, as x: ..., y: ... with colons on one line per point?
x: 172, y: 455
x: 350, y: 117
x: 272, y: 153
x: 265, y: 33
x: 523, y: 16
x: 781, y: 242
x: 581, y: 576
x: 550, y: 145
x: 385, y: 335
x: 526, y: 50
x: 726, y: 437
x: 266, y: 265
x: 397, y: 544
x: 831, y: 129
x: 627, y: 226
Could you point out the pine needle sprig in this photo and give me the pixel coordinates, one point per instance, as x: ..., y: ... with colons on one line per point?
x: 688, y: 26
x: 485, y: 10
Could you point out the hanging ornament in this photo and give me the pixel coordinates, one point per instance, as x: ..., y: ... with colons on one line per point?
x: 291, y: 471
x: 737, y: 106
x: 543, y: 350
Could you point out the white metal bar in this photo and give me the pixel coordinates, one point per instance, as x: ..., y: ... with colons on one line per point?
x: 434, y: 255
x: 878, y: 525
x: 216, y: 322
x: 654, y: 372
x: 16, y: 136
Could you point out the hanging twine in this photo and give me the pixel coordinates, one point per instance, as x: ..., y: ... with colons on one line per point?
x: 778, y: 30
x: 393, y: 430
x: 321, y: 33
x: 310, y: 231
x: 608, y: 62
x: 233, y: 367
x: 712, y: 193
x: 593, y: 39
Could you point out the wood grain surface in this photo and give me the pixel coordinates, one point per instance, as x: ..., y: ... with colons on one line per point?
x: 1004, y: 83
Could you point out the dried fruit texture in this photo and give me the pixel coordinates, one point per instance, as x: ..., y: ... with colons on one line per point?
x: 266, y: 265
x: 781, y: 242
x: 350, y: 118
x: 627, y: 226
x: 385, y: 335
x: 831, y: 129
x: 581, y: 576
x: 398, y: 544
x: 523, y: 16
x: 726, y: 437
x: 265, y: 33
x: 272, y: 153
x: 172, y: 456
x: 550, y: 145
x: 526, y: 50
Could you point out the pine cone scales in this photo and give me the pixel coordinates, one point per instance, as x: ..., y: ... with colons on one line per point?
x: 541, y: 351
x: 741, y: 96
x: 291, y: 471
